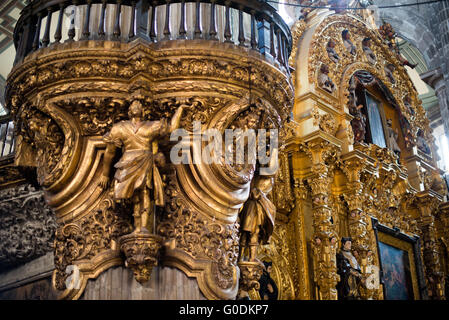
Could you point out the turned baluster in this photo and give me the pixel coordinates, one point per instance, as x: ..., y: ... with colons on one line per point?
x: 272, y: 50
x: 26, y: 39
x: 182, y: 23
x: 153, y: 22
x: 253, y: 31
x: 46, y: 38
x: 279, y: 43
x: 38, y: 32
x: 212, y: 27
x: 20, y: 46
x: 133, y: 20
x: 101, y: 31
x: 241, y: 31
x: 71, y: 32
x: 86, y: 31
x: 58, y: 32
x: 117, y: 30
x: 198, y: 31
x: 167, y: 32
x: 227, y: 30
x: 285, y: 51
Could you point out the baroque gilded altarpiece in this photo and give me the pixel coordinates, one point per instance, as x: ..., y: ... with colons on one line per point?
x: 65, y: 97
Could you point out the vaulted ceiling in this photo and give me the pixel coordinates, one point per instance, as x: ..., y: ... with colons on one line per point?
x: 9, y: 13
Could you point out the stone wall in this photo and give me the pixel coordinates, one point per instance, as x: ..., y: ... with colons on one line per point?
x: 426, y: 27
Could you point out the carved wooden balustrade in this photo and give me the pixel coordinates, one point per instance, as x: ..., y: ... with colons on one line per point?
x: 6, y: 137
x: 266, y: 32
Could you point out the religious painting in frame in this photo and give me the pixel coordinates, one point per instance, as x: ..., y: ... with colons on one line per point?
x: 401, y: 272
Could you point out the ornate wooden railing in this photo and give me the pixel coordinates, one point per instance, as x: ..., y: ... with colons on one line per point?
x: 6, y: 136
x: 266, y: 32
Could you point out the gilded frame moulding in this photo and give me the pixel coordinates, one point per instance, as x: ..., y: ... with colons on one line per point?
x: 410, y: 245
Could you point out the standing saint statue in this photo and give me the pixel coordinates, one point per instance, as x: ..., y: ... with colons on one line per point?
x: 349, y: 270
x: 136, y: 171
x: 393, y: 138
x: 258, y: 214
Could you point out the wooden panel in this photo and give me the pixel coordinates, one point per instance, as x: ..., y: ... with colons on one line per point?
x: 37, y: 290
x: 165, y: 284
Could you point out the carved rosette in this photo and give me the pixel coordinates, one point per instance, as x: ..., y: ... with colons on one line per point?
x: 250, y: 273
x: 142, y: 253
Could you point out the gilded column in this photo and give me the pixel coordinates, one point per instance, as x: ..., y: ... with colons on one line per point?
x: 325, y: 241
x: 359, y: 226
x: 435, y: 278
x: 297, y: 218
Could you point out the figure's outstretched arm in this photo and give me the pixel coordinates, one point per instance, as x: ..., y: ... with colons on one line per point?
x: 107, y: 161
x: 175, y: 121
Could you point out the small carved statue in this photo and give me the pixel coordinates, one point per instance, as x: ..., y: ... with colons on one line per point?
x: 408, y: 105
x: 389, y: 69
x: 258, y: 215
x: 324, y: 81
x: 268, y: 289
x: 393, y: 138
x: 136, y: 171
x: 422, y: 143
x: 349, y: 270
x: 389, y: 35
x: 358, y: 123
x: 348, y: 43
x: 366, y: 46
x: 333, y: 55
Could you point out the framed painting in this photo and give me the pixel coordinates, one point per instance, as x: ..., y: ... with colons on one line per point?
x: 401, y: 272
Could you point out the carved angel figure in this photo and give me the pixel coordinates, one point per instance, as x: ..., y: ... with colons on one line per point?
x: 348, y: 43
x: 389, y: 35
x: 324, y: 81
x: 136, y: 171
x: 333, y: 55
x: 366, y: 46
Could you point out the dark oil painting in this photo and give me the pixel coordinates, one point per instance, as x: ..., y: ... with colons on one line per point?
x: 396, y: 273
